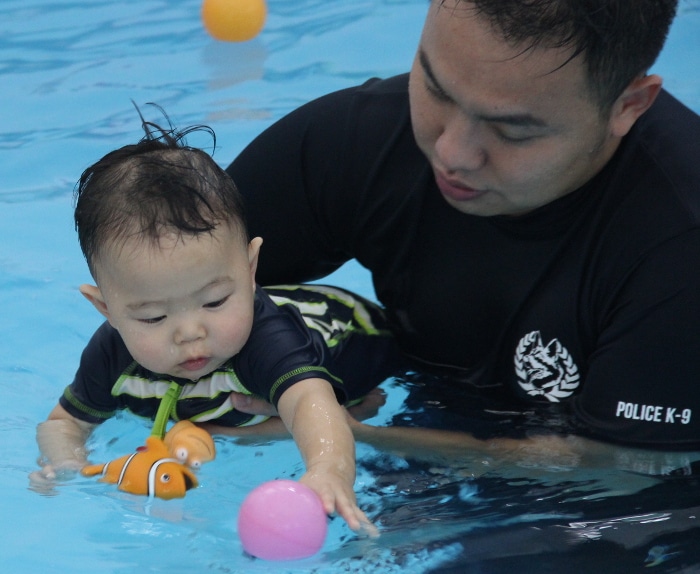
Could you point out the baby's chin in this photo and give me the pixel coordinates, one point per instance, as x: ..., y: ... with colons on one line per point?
x: 195, y: 375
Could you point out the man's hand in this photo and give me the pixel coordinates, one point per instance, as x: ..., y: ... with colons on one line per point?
x: 252, y: 405
x: 367, y: 408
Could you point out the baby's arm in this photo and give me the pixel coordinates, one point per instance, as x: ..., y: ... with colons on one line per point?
x: 61, y: 439
x: 311, y: 412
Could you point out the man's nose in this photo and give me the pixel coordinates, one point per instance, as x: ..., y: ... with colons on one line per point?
x: 459, y: 147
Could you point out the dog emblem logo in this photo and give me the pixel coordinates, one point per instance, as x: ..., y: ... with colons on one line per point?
x: 545, y: 371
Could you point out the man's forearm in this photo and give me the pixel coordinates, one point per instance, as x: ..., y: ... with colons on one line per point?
x: 537, y: 451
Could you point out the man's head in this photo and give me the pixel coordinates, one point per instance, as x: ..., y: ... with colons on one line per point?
x: 507, y: 101
x: 618, y: 40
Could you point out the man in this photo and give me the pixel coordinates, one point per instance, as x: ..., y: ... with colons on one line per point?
x: 528, y: 202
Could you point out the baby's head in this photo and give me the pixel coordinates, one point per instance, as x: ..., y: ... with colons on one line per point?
x: 161, y: 226
x: 155, y: 188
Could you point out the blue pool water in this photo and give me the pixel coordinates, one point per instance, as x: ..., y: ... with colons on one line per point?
x: 68, y: 70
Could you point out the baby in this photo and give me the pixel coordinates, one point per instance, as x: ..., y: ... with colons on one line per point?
x: 161, y: 226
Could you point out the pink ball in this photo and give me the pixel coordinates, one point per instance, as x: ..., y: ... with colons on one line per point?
x: 282, y: 520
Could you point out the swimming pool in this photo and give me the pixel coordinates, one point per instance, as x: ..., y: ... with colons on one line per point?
x: 68, y: 70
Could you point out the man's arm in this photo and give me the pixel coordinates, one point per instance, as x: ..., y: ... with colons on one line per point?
x: 466, y: 453
x: 533, y: 456
x: 476, y: 456
x: 271, y: 429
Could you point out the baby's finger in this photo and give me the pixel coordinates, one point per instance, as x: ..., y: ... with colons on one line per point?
x: 47, y: 473
x: 355, y: 518
x: 42, y: 482
x: 368, y: 529
x: 365, y: 526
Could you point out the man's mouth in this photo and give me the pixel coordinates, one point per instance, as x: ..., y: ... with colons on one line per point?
x: 455, y: 190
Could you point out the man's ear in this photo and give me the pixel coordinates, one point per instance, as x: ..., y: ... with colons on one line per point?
x: 633, y: 102
x: 93, y: 294
x: 253, y: 254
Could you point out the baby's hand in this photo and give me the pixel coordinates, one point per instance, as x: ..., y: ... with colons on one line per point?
x: 45, y: 479
x: 338, y: 497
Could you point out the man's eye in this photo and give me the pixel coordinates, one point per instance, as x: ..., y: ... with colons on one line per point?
x: 513, y: 138
x: 437, y: 92
x: 215, y: 304
x: 153, y: 320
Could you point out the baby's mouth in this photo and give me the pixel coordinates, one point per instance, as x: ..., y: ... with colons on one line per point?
x: 195, y: 364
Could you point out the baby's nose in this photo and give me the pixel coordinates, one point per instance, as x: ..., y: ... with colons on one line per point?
x: 188, y: 332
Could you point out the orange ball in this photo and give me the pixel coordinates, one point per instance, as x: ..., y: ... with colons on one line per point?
x: 234, y: 20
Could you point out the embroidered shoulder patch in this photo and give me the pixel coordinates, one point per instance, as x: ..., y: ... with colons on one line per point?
x: 545, y: 371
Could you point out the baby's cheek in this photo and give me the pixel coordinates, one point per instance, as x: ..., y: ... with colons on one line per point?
x: 233, y: 337
x: 155, y: 357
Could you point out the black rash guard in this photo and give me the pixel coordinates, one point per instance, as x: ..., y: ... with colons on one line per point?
x: 592, y: 301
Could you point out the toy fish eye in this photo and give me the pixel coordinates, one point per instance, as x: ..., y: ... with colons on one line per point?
x: 165, y: 478
x: 196, y: 464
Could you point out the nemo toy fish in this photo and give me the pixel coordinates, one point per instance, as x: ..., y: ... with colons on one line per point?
x: 190, y: 444
x: 151, y: 470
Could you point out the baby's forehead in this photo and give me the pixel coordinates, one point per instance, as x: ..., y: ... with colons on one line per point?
x: 141, y: 244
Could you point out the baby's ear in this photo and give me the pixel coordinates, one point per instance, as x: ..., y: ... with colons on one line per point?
x: 93, y: 294
x: 253, y: 253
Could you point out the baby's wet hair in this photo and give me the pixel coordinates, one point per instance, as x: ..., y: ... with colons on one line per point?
x: 158, y: 186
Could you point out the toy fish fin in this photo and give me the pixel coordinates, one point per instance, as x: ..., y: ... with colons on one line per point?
x: 93, y: 469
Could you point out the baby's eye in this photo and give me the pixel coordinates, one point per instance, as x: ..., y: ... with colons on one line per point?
x: 153, y: 320
x: 215, y: 304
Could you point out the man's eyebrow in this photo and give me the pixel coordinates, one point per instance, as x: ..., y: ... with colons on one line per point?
x: 427, y: 68
x: 517, y: 120
x: 514, y: 119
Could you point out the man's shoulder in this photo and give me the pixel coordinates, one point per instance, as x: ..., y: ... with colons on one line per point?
x: 670, y: 109
x: 386, y: 96
x: 670, y: 131
x: 668, y: 136
x: 394, y: 86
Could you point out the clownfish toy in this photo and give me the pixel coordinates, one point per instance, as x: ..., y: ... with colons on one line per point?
x: 190, y: 444
x: 151, y: 470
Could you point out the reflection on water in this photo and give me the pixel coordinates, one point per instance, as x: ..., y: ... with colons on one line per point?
x: 539, y: 512
x: 521, y: 524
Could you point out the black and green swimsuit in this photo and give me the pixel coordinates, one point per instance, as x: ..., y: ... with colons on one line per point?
x: 299, y: 332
